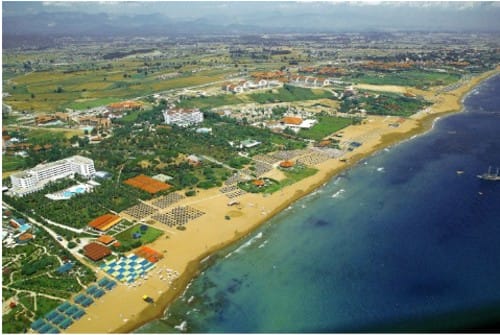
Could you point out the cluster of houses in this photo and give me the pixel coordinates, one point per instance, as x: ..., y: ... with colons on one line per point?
x: 17, y: 232
x: 111, y: 111
x: 308, y: 81
x: 247, y: 85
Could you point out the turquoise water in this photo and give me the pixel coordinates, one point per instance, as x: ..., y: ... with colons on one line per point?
x: 401, y: 242
x: 72, y: 192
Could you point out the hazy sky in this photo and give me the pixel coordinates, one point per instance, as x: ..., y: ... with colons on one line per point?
x: 369, y: 15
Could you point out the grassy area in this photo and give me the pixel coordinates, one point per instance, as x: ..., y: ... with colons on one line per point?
x: 326, y: 126
x: 59, y: 287
x: 128, y: 242
x: 289, y: 93
x: 91, y: 103
x: 45, y: 305
x: 12, y: 163
x: 406, y: 78
x: 212, y: 101
x: 293, y: 175
x: 249, y: 186
x: 385, y: 104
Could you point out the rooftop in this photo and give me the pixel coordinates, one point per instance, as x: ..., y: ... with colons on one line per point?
x: 96, y: 251
x: 104, y: 222
x: 292, y: 120
x: 106, y: 239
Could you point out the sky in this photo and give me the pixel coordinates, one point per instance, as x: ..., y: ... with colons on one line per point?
x: 325, y: 15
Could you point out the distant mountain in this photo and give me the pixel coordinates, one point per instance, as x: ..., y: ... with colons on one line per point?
x: 43, y: 21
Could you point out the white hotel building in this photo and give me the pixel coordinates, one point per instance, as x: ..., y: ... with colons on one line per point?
x: 35, y: 179
x: 183, y: 117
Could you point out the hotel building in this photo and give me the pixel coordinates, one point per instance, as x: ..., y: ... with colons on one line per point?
x: 35, y: 179
x: 182, y: 117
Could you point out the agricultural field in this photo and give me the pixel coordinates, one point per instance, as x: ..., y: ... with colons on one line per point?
x: 95, y: 84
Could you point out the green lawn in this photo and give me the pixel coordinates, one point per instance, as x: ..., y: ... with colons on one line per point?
x: 212, y: 101
x: 326, y: 126
x: 11, y: 163
x: 128, y: 242
x: 289, y: 93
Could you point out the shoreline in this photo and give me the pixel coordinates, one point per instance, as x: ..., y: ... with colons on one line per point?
x: 443, y: 104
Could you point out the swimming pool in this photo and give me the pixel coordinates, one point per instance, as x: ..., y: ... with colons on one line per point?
x: 70, y: 192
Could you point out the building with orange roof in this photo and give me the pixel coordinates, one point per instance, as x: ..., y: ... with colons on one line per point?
x: 291, y: 120
x: 96, y: 251
x: 259, y: 182
x: 286, y: 164
x: 148, y: 253
x: 104, y: 222
x: 106, y: 239
x: 94, y: 121
x: 324, y: 143
x: 24, y: 238
x: 124, y: 106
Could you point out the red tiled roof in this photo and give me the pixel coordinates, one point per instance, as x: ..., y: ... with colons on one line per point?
x: 259, y: 182
x: 106, y: 239
x: 96, y: 251
x: 286, y: 164
x: 148, y: 253
x: 25, y: 237
x: 292, y: 120
x: 104, y: 222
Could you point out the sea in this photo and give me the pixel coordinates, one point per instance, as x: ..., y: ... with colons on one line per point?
x: 407, y: 240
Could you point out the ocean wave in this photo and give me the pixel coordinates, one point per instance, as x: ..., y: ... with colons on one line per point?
x: 182, y: 326
x: 338, y: 193
x: 246, y: 244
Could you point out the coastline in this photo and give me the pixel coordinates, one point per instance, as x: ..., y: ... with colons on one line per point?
x: 190, y: 263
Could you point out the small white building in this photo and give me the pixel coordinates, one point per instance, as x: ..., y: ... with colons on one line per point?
x: 182, y: 117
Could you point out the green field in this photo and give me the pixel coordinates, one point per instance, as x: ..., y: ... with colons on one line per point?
x: 326, y: 126
x: 128, y: 242
x: 293, y: 175
x: 287, y: 93
x: 12, y: 163
x: 405, y: 78
x: 385, y: 104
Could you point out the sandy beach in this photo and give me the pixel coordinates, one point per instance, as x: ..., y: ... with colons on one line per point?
x: 122, y: 309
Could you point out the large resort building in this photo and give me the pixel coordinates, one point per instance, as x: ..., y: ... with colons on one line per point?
x: 183, y: 117
x: 35, y: 179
